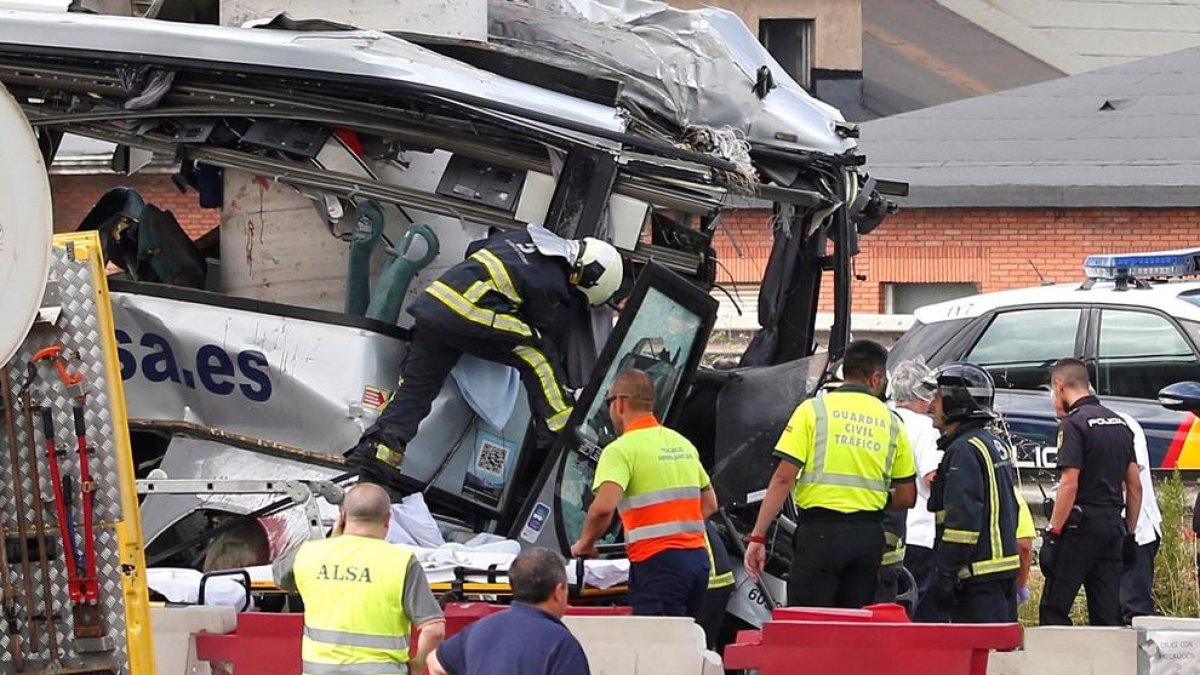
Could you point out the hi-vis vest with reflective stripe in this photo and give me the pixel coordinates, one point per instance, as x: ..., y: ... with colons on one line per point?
x: 354, y: 621
x: 856, y: 440
x: 661, y: 508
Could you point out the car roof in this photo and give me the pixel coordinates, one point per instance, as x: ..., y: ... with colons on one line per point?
x: 1160, y: 296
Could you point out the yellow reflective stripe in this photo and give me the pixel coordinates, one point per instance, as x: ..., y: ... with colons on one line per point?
x: 486, y: 317
x: 559, y: 420
x: 939, y: 517
x: 498, y: 273
x: 389, y: 456
x: 720, y: 581
x: 893, y: 557
x: 994, y: 566
x: 477, y: 290
x: 659, y: 497
x: 315, y: 668
x: 545, y: 373
x: 663, y: 529
x: 366, y: 640
x: 993, y: 498
x: 715, y: 579
x: 960, y: 537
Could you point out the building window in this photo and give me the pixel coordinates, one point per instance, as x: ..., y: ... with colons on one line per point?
x: 790, y: 41
x: 906, y: 298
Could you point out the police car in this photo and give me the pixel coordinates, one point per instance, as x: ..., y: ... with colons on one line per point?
x: 1134, y: 320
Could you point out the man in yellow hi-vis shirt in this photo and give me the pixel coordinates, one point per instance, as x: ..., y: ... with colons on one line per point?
x: 654, y: 476
x: 845, y: 459
x: 362, y: 595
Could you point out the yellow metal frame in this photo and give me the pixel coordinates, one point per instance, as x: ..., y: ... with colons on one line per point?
x: 129, y: 529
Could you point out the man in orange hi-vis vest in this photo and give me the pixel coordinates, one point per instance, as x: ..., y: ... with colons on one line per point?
x: 654, y: 476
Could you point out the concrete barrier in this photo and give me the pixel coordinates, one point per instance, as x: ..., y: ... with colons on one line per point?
x: 643, y: 645
x: 1168, y: 645
x: 1074, y: 650
x: 173, y: 630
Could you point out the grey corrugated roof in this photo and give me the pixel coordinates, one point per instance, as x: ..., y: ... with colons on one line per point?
x: 1055, y: 143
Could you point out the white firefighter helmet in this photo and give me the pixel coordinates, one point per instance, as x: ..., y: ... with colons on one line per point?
x: 598, y: 271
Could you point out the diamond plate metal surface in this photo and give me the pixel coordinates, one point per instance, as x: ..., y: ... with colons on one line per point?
x: 77, y: 330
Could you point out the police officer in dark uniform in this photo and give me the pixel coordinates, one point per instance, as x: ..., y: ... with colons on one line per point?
x: 504, y: 303
x: 973, y: 497
x: 1089, y: 540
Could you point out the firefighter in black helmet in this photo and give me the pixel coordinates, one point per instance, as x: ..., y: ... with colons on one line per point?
x: 974, y: 502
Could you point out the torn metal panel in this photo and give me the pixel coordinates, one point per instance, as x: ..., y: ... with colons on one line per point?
x: 367, y: 57
x: 214, y: 362
x: 688, y: 68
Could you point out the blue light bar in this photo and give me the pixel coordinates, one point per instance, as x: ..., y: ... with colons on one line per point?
x: 1156, y: 264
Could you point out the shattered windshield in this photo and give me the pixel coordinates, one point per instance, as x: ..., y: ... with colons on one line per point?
x: 660, y: 341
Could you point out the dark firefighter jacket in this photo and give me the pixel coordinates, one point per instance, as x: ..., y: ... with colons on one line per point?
x: 975, y: 506
x: 504, y: 291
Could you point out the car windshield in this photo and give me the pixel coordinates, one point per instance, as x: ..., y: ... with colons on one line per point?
x: 1191, y: 296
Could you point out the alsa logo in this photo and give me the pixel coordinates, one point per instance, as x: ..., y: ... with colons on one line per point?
x: 211, y: 367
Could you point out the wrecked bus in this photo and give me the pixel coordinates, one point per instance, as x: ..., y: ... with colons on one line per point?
x: 352, y: 166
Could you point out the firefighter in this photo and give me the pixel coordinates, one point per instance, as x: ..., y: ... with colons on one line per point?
x: 362, y: 595
x: 504, y: 303
x: 720, y: 588
x: 974, y: 502
x: 1089, y: 540
x: 845, y: 459
x: 654, y: 476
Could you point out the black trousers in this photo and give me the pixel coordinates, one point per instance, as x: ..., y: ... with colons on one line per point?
x: 835, y: 562
x: 922, y: 563
x: 430, y: 358
x: 1091, y: 557
x: 1137, y: 584
x: 985, y: 601
x: 712, y: 614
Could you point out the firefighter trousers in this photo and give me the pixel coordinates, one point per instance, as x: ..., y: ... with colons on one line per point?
x: 985, y: 601
x: 431, y: 356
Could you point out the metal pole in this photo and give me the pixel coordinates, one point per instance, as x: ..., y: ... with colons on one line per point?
x: 39, y: 522
x: 19, y: 497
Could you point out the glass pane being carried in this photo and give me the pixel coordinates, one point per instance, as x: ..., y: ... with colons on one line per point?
x: 660, y: 341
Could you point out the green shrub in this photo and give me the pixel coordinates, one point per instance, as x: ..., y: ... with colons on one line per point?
x: 1175, y: 589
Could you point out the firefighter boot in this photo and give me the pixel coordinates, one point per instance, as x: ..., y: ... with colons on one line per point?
x: 379, y: 463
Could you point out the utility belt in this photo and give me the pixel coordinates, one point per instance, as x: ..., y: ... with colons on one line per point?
x: 1106, y: 511
x: 820, y: 515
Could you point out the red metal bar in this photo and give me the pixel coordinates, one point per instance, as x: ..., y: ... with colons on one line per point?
x: 89, y: 586
x: 803, y: 647
x: 264, y: 642
x: 74, y: 588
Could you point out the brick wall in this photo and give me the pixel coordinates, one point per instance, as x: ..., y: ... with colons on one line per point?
x: 75, y: 195
x: 988, y: 247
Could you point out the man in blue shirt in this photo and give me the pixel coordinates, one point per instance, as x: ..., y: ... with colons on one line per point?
x: 527, y: 638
